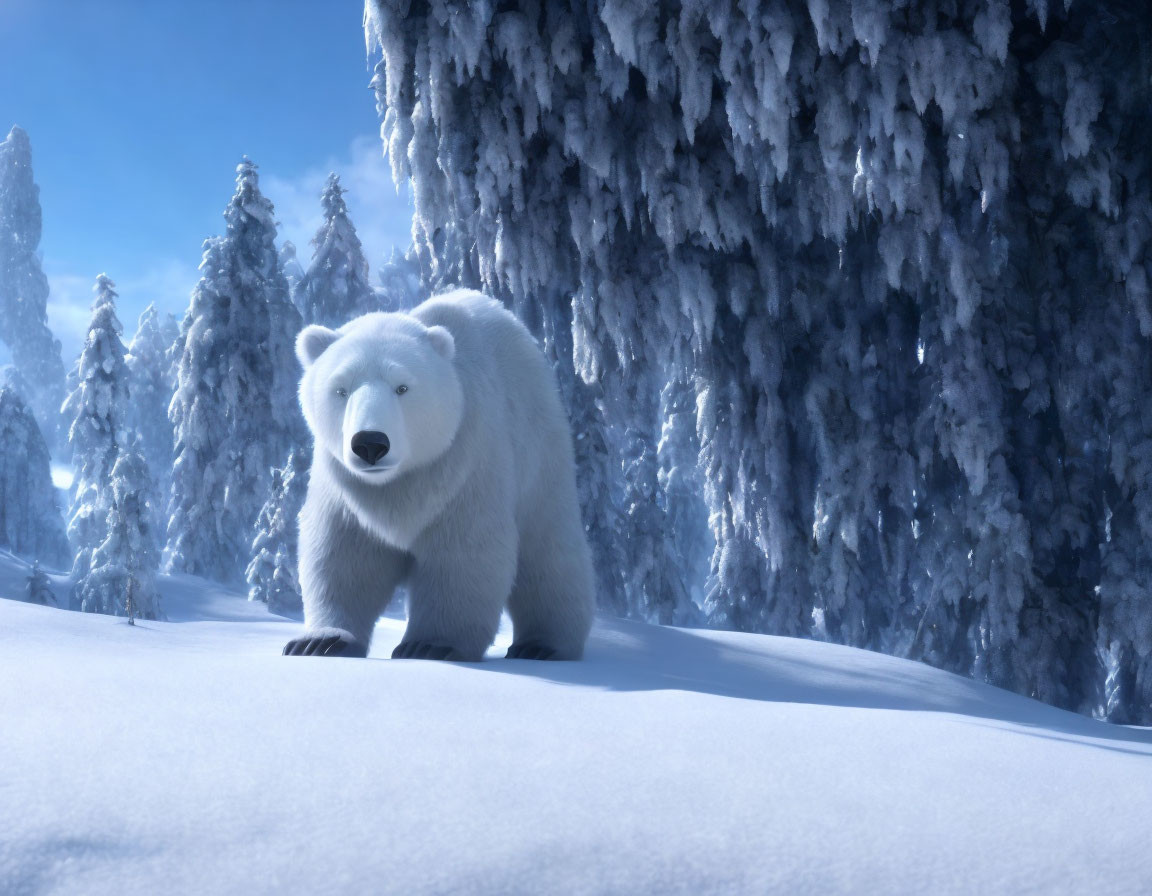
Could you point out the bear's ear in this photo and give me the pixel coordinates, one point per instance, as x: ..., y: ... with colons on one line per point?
x: 312, y: 342
x: 443, y: 342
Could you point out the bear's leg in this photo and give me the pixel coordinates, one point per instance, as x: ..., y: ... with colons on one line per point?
x: 347, y: 578
x: 457, y: 589
x: 553, y: 598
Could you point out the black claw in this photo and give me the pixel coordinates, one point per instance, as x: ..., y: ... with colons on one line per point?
x: 530, y: 651
x: 423, y: 650
x: 328, y: 645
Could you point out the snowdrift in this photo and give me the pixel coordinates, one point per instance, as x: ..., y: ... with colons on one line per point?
x: 189, y: 757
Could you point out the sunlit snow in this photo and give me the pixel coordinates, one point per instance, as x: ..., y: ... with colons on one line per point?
x: 669, y: 761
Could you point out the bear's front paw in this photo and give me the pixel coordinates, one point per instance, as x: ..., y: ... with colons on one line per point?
x: 326, y: 642
x: 530, y: 651
x: 422, y: 650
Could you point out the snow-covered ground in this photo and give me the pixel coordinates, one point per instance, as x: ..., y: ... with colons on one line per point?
x: 190, y: 757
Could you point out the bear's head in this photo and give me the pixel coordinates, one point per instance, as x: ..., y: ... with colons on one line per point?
x: 381, y: 394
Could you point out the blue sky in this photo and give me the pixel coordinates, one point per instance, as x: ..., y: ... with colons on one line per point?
x: 139, y: 110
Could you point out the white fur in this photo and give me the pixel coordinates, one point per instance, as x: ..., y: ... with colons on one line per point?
x: 474, y: 508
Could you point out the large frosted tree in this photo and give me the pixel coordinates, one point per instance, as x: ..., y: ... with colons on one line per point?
x: 150, y: 386
x: 335, y: 288
x: 901, y: 251
x: 23, y: 286
x: 235, y: 411
x: 30, y: 521
x: 100, y: 422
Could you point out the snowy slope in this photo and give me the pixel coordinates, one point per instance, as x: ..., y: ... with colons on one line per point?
x: 189, y: 757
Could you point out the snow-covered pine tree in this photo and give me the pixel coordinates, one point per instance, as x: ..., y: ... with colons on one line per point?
x: 335, y: 287
x: 12, y: 378
x: 235, y: 413
x: 150, y: 387
x: 271, y: 573
x: 30, y: 522
x: 874, y: 226
x: 123, y: 566
x: 39, y: 589
x: 400, y: 286
x: 171, y: 330
x: 23, y: 286
x: 293, y: 270
x: 654, y: 575
x: 681, y: 497
x: 100, y: 420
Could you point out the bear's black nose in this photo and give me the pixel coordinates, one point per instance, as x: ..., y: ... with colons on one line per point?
x: 370, y: 446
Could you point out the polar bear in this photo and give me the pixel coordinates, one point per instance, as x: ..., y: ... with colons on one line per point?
x: 443, y: 462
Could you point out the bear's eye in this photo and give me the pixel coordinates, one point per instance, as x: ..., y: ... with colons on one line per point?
x: 341, y: 392
x: 401, y: 389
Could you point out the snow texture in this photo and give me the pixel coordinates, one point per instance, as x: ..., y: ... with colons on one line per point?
x: 901, y: 251
x: 669, y: 761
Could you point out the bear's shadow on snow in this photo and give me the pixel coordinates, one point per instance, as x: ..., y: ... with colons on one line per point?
x: 40, y: 865
x: 627, y: 656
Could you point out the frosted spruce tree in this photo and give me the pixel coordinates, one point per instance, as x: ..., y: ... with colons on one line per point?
x: 30, y: 521
x: 901, y: 250
x: 100, y: 421
x: 121, y: 579
x: 12, y: 378
x: 23, y: 286
x: 39, y: 588
x: 654, y: 579
x: 335, y: 287
x: 680, y: 495
x: 235, y: 413
x: 150, y: 386
x: 293, y: 270
x: 271, y: 573
x: 400, y: 285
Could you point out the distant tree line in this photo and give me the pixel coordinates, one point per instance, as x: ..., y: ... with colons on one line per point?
x: 187, y: 445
